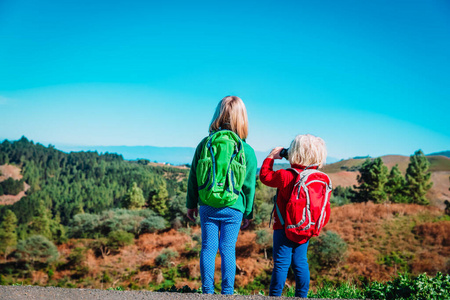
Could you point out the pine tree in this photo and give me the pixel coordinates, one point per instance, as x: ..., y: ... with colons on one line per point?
x: 134, y: 199
x: 41, y: 222
x: 158, y: 199
x: 417, y: 178
x: 8, y: 235
x: 372, y: 178
x: 395, y: 186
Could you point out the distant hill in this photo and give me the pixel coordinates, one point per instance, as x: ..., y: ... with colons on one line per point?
x: 344, y: 173
x: 171, y: 155
x: 437, y: 163
x: 443, y: 153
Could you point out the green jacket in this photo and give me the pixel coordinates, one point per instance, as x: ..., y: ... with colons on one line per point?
x: 245, y: 201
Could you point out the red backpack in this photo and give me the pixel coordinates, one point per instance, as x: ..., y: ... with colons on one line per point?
x: 308, y: 208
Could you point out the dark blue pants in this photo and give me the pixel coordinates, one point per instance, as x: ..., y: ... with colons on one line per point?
x: 285, y: 253
x: 220, y: 229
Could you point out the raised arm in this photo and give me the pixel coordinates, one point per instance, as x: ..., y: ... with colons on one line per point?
x: 267, y: 175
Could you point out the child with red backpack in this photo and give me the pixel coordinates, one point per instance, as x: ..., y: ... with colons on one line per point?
x: 301, y: 210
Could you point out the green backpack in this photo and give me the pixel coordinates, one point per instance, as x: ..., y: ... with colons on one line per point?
x: 221, y: 169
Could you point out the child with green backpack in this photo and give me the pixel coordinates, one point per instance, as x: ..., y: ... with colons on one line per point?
x: 222, y: 182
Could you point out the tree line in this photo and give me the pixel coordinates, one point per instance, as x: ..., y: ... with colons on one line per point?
x: 377, y: 184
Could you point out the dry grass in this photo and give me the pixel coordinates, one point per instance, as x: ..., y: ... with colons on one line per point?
x: 374, y: 231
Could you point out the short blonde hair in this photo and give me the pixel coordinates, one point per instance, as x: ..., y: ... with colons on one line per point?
x: 230, y: 114
x: 307, y: 150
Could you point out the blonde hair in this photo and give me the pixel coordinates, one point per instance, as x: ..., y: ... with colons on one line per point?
x: 307, y: 150
x: 230, y: 114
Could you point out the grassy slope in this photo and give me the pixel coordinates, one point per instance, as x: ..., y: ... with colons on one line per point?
x: 385, y: 239
x: 382, y: 240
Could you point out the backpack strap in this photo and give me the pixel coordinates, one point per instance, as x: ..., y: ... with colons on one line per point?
x: 275, y: 205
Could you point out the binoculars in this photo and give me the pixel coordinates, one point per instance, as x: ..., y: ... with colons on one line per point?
x: 284, y: 153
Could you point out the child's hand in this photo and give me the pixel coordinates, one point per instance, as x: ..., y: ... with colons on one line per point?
x: 275, y: 154
x: 245, y: 223
x: 192, y: 213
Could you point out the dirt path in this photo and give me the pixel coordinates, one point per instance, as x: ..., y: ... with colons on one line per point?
x: 44, y: 293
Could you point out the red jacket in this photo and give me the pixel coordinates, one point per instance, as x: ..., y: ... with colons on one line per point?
x: 284, y: 181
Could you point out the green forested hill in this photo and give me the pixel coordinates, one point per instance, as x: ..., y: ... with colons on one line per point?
x: 68, y: 184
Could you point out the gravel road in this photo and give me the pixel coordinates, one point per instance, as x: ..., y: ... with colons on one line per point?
x: 54, y: 293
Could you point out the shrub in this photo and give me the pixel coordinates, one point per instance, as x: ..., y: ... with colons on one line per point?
x: 344, y: 290
x: 163, y: 259
x: 263, y: 213
x: 92, y: 226
x: 152, y: 224
x: 264, y: 239
x: 76, y: 257
x: 83, y: 225
x: 100, y: 247
x: 177, y: 211
x: 327, y: 250
x: 341, y: 196
x: 37, y: 248
x: 119, y: 238
x: 406, y: 287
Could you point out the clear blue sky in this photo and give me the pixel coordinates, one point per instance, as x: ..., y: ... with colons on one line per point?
x: 369, y: 77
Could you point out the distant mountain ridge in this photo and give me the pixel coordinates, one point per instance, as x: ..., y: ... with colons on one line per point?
x: 442, y: 153
x: 171, y: 155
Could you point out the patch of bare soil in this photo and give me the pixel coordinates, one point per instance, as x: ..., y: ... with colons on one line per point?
x: 439, y: 192
x: 10, y: 171
x: 11, y: 199
x: 400, y: 160
x: 7, y: 171
x: 344, y: 178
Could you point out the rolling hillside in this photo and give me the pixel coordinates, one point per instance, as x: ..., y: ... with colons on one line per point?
x: 100, y: 244
x: 344, y: 173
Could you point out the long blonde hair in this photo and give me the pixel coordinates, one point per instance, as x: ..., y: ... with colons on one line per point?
x: 230, y: 114
x: 306, y: 150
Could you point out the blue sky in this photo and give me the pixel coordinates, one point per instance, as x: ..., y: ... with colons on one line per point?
x: 369, y: 77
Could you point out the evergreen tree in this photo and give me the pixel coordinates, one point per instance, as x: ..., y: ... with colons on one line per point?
x: 134, y: 199
x: 8, y: 235
x: 158, y: 199
x: 417, y: 178
x: 395, y: 186
x: 41, y: 222
x: 372, y: 178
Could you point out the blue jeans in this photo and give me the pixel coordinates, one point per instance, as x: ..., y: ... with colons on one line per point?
x: 286, y: 252
x: 227, y: 222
